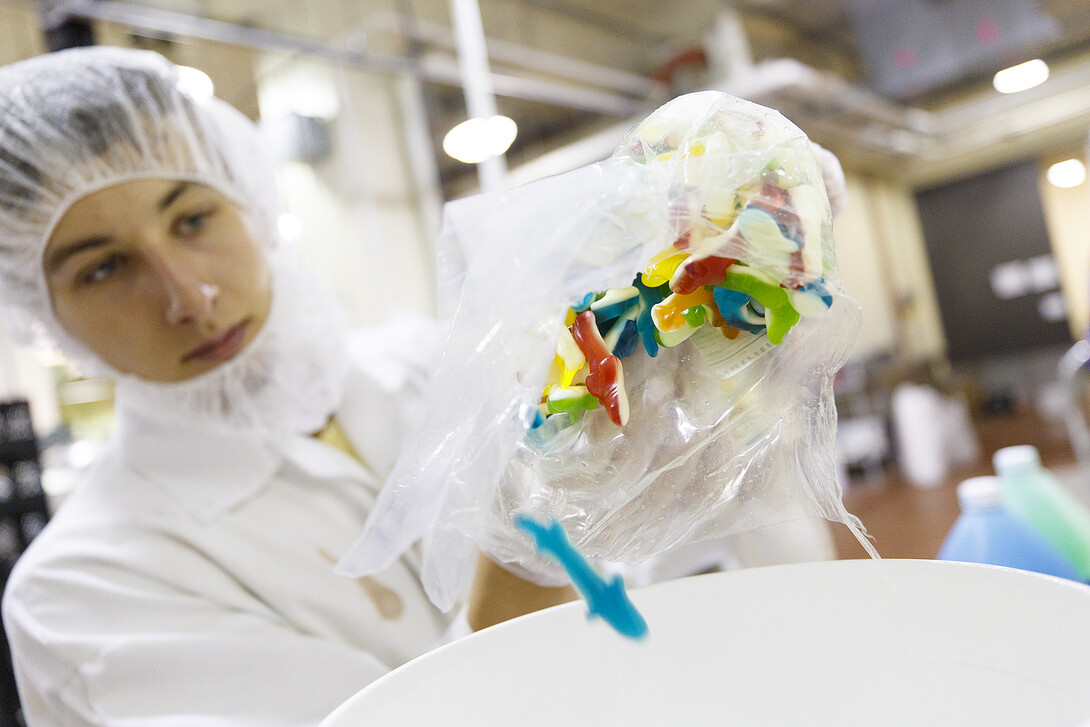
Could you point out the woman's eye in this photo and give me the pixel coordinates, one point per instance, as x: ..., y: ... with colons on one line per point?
x: 192, y: 224
x: 103, y: 270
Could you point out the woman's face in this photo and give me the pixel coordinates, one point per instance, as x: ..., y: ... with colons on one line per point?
x: 161, y: 279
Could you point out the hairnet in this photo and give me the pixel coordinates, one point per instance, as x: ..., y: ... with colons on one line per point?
x: 79, y: 120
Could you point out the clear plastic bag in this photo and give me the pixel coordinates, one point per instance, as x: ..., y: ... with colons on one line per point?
x: 722, y: 429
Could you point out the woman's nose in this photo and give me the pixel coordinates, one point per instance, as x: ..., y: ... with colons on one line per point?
x: 192, y: 303
x: 190, y: 300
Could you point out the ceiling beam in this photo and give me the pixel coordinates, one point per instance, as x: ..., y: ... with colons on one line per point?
x: 435, y: 69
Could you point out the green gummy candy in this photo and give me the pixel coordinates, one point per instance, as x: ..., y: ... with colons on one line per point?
x: 695, y: 316
x: 572, y: 402
x: 669, y: 339
x: 780, y: 315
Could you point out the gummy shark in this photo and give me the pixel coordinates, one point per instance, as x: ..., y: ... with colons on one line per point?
x: 606, y: 599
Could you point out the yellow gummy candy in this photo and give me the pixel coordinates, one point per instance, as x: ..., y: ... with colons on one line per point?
x: 569, y: 357
x: 569, y: 377
x: 555, y: 375
x: 555, y: 369
x: 696, y: 149
x: 568, y: 351
x: 661, y: 267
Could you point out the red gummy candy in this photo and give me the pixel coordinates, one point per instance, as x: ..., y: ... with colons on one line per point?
x: 695, y: 273
x: 606, y: 379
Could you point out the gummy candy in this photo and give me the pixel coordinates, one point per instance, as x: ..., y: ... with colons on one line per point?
x: 699, y: 271
x: 623, y: 338
x: 614, y: 303
x: 779, y: 315
x: 669, y: 315
x: 735, y: 307
x: 572, y: 401
x: 645, y: 324
x: 741, y: 258
x: 606, y: 379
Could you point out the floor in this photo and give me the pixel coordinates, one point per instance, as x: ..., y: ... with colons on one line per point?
x: 904, y: 521
x: 911, y: 522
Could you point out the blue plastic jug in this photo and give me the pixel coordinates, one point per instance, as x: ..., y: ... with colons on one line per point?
x: 986, y: 532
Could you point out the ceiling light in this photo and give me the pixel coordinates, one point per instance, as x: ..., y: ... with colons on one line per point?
x: 1071, y: 173
x: 475, y: 140
x: 195, y: 82
x: 1020, y: 77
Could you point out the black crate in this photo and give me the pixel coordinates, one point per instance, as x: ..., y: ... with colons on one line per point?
x: 17, y: 438
x: 24, y: 512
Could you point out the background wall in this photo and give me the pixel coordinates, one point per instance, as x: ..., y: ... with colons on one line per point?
x: 883, y: 265
x: 1067, y: 213
x: 364, y: 222
x: 19, y: 34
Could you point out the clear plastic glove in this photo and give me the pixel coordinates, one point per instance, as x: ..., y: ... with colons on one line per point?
x: 729, y: 419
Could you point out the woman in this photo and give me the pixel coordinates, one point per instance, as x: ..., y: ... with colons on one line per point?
x: 189, y: 579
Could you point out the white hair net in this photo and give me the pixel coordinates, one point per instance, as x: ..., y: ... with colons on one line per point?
x: 80, y: 120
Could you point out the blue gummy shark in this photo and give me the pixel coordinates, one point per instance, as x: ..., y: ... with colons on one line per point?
x: 606, y: 599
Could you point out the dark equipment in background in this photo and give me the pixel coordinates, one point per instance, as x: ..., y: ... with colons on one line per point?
x: 23, y: 514
x: 70, y: 33
x: 61, y: 29
x: 911, y: 47
x: 997, y: 283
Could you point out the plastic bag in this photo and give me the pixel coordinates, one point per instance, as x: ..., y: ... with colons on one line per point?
x: 722, y: 429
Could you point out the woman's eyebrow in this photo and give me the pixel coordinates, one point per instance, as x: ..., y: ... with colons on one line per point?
x: 60, y: 257
x: 173, y: 194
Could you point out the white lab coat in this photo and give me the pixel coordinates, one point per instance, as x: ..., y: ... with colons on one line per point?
x: 188, y: 581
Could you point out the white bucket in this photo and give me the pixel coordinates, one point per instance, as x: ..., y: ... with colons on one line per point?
x: 830, y: 643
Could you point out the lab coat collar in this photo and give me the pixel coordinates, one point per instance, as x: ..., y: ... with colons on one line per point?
x: 207, y: 473
x: 210, y: 474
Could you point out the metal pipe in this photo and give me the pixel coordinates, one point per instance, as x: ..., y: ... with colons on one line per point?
x: 727, y: 44
x: 477, y: 83
x: 831, y: 92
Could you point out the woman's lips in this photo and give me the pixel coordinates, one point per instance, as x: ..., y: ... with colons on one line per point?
x: 222, y: 347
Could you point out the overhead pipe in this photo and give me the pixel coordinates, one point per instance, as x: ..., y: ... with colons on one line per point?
x: 789, y: 76
x: 883, y: 128
x: 727, y: 46
x: 477, y: 83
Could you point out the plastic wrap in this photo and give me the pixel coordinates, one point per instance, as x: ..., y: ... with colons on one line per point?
x: 724, y: 428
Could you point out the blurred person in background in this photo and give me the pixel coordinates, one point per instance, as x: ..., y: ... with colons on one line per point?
x: 189, y: 578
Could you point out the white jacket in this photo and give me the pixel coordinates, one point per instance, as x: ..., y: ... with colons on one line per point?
x: 188, y: 580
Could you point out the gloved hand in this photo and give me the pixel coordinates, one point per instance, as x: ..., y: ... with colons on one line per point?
x: 833, y: 176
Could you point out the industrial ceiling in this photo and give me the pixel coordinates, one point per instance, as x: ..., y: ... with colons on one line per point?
x: 567, y: 70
